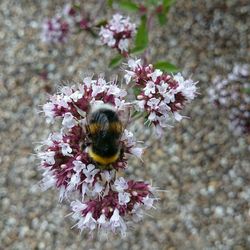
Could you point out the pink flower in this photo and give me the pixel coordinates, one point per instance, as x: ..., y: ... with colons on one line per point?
x: 113, y: 211
x: 117, y: 223
x: 105, y: 202
x: 55, y: 30
x: 232, y: 95
x: 161, y: 95
x: 120, y: 184
x: 66, y: 21
x: 118, y: 32
x: 129, y: 144
x: 72, y: 103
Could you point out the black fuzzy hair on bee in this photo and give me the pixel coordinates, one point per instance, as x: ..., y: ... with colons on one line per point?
x: 104, y: 131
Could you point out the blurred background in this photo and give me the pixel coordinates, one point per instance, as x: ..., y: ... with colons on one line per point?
x: 201, y: 164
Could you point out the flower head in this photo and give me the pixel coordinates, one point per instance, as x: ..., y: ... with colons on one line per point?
x: 64, y: 156
x: 118, y: 32
x: 107, y: 203
x: 73, y: 103
x: 55, y: 30
x: 67, y: 20
x: 114, y: 210
x: 161, y: 95
x: 232, y: 94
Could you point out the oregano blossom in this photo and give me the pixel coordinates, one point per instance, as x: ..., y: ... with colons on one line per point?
x: 105, y: 201
x: 232, y: 94
x: 162, y: 96
x: 118, y: 32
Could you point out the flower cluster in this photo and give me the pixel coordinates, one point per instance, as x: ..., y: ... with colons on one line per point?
x: 232, y: 94
x: 124, y: 199
x: 58, y: 28
x: 118, y: 32
x: 160, y: 95
x: 105, y: 202
x: 73, y: 103
x: 67, y: 159
x: 55, y: 30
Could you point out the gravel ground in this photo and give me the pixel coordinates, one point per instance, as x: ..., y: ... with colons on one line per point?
x: 201, y: 165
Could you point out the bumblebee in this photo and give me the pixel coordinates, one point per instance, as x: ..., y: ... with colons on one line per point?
x: 104, y: 129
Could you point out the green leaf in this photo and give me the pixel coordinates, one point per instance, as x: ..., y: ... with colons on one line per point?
x: 137, y: 91
x: 128, y: 5
x: 77, y: 6
x: 101, y: 23
x: 136, y: 114
x: 91, y: 31
x: 166, y: 66
x: 110, y: 3
x: 137, y: 50
x: 153, y: 2
x: 164, y: 3
x: 162, y: 15
x: 162, y: 18
x: 167, y: 4
x: 147, y: 122
x: 141, y: 39
x: 115, y: 61
x: 246, y: 90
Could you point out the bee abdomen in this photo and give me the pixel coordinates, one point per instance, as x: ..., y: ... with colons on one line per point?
x: 101, y: 158
x: 104, y: 130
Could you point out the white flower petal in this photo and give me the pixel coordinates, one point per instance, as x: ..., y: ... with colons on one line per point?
x: 148, y: 202
x: 78, y: 166
x: 177, y: 116
x: 77, y: 206
x: 138, y: 152
x: 68, y: 120
x: 152, y: 116
x: 133, y: 64
x: 120, y: 184
x: 48, y: 180
x: 66, y: 149
x: 123, y: 198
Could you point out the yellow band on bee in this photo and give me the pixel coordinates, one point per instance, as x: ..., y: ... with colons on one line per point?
x: 103, y: 160
x: 113, y: 126
x: 94, y: 128
x: 116, y: 126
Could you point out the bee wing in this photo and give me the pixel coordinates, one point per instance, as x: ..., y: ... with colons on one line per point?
x: 124, y: 117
